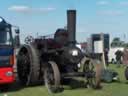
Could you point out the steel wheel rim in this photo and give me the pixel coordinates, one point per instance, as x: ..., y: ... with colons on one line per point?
x: 49, y: 80
x: 52, y: 78
x: 91, y: 81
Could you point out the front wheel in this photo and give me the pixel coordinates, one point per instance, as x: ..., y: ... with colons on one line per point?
x: 52, y: 77
x: 92, y: 69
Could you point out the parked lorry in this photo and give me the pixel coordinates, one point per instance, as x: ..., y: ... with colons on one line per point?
x: 7, y: 56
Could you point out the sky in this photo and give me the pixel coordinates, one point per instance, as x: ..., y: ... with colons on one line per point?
x: 42, y: 17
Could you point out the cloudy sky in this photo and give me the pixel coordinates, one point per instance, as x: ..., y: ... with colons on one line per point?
x: 45, y: 16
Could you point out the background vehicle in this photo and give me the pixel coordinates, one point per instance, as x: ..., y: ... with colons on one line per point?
x: 7, y: 57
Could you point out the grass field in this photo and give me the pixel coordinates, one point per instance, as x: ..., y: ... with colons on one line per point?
x: 111, y: 89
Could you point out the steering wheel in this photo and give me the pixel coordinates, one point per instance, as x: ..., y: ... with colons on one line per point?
x: 29, y: 39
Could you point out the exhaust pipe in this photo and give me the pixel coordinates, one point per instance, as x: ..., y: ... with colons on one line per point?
x: 71, y: 27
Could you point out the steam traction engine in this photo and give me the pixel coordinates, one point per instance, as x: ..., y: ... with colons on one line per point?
x: 55, y: 58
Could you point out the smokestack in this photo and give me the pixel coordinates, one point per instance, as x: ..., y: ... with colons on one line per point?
x: 71, y: 27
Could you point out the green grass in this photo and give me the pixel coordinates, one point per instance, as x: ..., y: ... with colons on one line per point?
x: 111, y: 89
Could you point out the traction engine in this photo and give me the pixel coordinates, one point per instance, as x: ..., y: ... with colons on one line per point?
x: 52, y: 59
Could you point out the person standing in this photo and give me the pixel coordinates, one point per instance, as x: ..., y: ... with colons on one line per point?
x: 118, y: 57
x: 125, y: 56
x: 125, y: 62
x: 106, y: 56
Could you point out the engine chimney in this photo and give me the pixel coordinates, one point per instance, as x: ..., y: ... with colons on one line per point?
x: 71, y: 27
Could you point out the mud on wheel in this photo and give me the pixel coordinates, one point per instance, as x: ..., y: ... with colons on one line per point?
x: 92, y: 68
x: 52, y: 77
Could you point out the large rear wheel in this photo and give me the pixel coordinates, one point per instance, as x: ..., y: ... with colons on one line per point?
x: 28, y: 65
x: 23, y: 67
